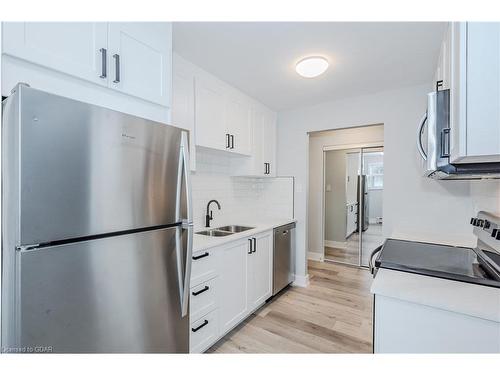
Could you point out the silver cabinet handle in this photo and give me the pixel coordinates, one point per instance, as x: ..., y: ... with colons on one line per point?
x: 117, y: 67
x: 419, y: 136
x: 104, y: 59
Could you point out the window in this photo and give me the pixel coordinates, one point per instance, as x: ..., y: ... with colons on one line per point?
x: 375, y: 176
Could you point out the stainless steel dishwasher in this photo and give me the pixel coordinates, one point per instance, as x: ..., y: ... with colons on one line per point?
x: 284, y: 257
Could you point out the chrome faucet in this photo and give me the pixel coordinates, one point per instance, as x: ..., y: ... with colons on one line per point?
x: 209, y: 215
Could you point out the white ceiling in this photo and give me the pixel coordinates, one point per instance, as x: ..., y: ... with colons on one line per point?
x: 259, y: 57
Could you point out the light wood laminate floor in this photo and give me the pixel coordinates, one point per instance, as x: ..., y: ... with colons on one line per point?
x: 332, y: 315
x: 372, y: 238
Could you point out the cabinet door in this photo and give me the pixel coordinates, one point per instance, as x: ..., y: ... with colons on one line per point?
x: 259, y: 273
x: 183, y: 103
x: 73, y: 48
x: 238, y: 124
x: 210, y: 114
x: 233, y: 282
x: 263, y: 144
x: 269, y: 142
x: 144, y: 68
x: 483, y: 90
x: 443, y: 71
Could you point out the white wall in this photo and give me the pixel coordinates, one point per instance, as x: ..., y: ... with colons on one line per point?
x: 413, y: 207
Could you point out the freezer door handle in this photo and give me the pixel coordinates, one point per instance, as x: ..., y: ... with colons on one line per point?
x: 183, y: 171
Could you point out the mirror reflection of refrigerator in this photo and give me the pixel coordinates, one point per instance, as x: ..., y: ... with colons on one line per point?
x: 362, y: 201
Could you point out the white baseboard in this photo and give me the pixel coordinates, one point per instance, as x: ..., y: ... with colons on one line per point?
x: 315, y: 256
x: 301, y: 281
x: 336, y: 244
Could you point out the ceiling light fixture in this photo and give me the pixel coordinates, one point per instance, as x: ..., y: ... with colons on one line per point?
x: 311, y: 67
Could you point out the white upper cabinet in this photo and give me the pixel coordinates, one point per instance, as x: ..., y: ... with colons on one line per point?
x: 222, y: 116
x: 224, y: 119
x: 475, y: 92
x: 183, y: 102
x: 269, y: 143
x: 74, y: 48
x: 443, y: 70
x: 210, y: 116
x: 134, y: 58
x: 140, y: 55
x: 262, y: 162
x: 237, y: 124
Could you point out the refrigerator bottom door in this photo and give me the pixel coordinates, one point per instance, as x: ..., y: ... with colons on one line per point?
x: 113, y: 295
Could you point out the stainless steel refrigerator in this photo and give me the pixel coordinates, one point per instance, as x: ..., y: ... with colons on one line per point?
x: 97, y: 229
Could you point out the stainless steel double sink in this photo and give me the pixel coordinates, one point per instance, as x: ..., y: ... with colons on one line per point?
x: 224, y: 231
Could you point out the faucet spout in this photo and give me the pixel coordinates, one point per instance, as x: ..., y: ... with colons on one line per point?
x: 209, y: 215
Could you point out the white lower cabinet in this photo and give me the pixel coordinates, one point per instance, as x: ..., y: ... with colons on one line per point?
x: 233, y: 277
x: 260, y: 270
x: 406, y: 327
x: 203, y: 298
x: 204, y: 332
x: 228, y: 284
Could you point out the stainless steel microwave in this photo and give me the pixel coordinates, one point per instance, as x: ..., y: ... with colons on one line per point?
x: 433, y: 144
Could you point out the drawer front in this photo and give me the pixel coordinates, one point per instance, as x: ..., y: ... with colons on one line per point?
x: 203, y: 298
x: 203, y: 266
x: 204, y: 332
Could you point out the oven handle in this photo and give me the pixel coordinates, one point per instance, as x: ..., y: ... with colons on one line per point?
x: 419, y: 136
x: 370, y: 262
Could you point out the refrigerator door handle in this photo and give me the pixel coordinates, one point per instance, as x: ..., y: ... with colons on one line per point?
x: 187, y: 223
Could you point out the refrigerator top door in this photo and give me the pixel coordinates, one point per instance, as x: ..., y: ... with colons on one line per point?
x: 86, y: 170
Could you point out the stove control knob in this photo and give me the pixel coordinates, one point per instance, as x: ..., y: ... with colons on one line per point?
x: 487, y: 224
x: 472, y: 220
x: 494, y: 233
x: 480, y: 222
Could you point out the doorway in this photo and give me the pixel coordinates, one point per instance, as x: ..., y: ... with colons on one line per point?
x: 352, y: 196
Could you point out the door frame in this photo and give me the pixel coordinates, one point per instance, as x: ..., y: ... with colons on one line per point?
x: 346, y: 146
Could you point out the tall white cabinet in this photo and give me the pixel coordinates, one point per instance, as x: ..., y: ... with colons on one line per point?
x: 469, y: 65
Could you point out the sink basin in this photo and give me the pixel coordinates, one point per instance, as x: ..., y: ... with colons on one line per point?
x: 234, y: 228
x: 214, y: 233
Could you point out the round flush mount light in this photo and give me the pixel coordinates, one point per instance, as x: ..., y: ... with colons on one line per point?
x: 311, y: 67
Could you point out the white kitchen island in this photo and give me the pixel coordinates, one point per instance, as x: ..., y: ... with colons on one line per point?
x: 423, y: 314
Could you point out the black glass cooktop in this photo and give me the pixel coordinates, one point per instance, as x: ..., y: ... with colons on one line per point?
x: 448, y: 262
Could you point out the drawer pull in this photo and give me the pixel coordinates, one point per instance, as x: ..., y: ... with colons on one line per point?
x: 201, y: 290
x: 200, y: 326
x: 201, y: 256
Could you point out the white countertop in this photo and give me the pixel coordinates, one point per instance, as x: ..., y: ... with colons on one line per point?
x: 456, y: 296
x: 202, y: 242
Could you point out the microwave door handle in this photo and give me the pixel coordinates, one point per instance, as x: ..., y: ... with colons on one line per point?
x: 419, y: 136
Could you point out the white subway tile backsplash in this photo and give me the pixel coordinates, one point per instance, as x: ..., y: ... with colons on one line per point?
x: 242, y: 199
